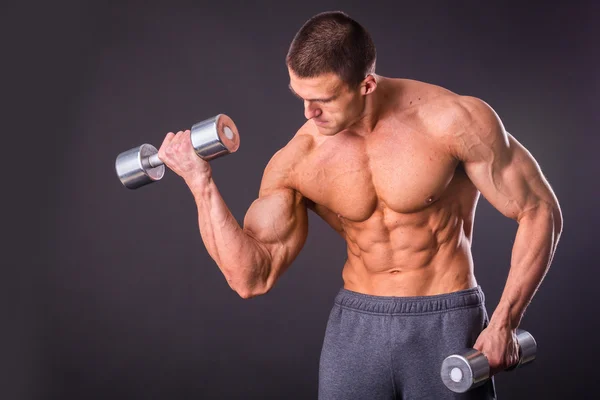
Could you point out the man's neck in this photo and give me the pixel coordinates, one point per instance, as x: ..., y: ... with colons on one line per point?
x: 374, y: 108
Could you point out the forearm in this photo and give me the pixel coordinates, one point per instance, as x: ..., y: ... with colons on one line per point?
x: 241, y: 259
x: 536, y: 240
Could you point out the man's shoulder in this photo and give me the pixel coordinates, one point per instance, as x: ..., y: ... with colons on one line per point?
x: 458, y: 122
x: 422, y: 102
x: 415, y: 92
x: 297, y: 147
x: 447, y: 112
x: 420, y: 93
x: 442, y: 114
x: 283, y: 165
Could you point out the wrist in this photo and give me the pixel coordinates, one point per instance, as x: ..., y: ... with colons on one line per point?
x: 504, y: 318
x: 198, y: 182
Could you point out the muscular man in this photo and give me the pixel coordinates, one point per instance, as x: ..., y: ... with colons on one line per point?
x: 396, y: 167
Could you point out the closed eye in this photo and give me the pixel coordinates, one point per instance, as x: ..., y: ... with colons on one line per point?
x: 326, y: 100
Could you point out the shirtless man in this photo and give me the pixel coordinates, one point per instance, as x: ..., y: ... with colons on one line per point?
x: 396, y: 167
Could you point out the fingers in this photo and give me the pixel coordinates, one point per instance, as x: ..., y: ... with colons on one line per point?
x: 163, y: 146
x: 173, y: 141
x: 181, y: 142
x: 500, y: 361
x: 172, y: 136
x: 168, y: 138
x: 499, y: 348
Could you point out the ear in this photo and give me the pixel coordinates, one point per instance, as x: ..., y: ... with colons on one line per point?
x: 368, y: 85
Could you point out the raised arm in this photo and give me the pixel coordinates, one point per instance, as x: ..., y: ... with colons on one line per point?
x: 277, y: 222
x: 275, y: 227
x: 510, y: 179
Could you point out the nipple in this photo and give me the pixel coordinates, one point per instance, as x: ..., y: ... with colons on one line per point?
x: 429, y: 200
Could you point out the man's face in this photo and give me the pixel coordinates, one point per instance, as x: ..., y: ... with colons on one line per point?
x: 328, y: 101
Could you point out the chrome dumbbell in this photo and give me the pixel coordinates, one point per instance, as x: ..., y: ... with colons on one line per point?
x: 467, y: 370
x: 211, y: 138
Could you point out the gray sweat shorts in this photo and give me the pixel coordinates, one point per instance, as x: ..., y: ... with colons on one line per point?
x: 379, y: 347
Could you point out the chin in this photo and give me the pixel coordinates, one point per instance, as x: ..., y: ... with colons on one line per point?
x: 327, y: 131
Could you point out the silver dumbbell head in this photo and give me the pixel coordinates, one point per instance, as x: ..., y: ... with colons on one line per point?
x: 461, y: 372
x: 133, y: 168
x: 215, y: 137
x: 527, y: 347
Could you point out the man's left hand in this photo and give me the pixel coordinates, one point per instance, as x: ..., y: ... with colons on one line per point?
x: 500, y: 347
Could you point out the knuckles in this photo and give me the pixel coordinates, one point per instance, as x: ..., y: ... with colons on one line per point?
x: 174, y: 147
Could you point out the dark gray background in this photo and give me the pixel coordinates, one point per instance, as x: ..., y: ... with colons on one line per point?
x: 110, y: 293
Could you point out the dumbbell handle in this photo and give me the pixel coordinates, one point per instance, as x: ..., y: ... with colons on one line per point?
x: 153, y: 161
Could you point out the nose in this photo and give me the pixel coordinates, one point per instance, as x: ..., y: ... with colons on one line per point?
x: 311, y: 110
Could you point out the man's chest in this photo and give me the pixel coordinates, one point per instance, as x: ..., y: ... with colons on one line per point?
x: 353, y: 176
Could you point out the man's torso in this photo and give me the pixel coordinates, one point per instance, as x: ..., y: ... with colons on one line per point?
x: 398, y: 196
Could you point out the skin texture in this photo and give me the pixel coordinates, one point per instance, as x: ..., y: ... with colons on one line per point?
x: 396, y: 167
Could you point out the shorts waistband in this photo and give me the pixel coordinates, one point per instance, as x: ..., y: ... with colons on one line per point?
x: 410, y: 304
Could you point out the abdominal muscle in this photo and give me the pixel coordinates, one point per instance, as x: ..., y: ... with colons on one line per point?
x: 418, y: 254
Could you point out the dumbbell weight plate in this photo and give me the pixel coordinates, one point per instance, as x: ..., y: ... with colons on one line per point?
x: 133, y: 168
x: 463, y: 372
x: 527, y: 349
x: 215, y: 137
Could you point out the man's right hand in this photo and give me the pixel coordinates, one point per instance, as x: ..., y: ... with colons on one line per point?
x: 177, y: 153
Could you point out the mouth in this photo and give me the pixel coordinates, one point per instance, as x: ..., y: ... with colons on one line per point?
x: 320, y: 123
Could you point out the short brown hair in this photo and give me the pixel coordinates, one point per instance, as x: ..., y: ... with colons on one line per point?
x: 332, y: 42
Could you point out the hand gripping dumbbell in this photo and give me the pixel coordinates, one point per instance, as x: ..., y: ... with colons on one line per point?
x: 467, y: 370
x: 211, y: 138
